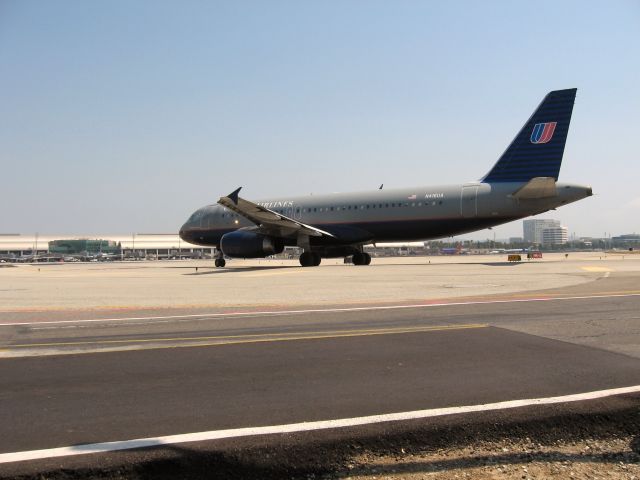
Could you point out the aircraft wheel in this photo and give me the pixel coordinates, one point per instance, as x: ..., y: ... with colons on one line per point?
x: 367, y: 258
x: 316, y: 259
x: 220, y: 262
x: 307, y: 259
x: 358, y: 258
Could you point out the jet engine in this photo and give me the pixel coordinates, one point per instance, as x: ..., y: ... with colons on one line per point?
x: 247, y: 244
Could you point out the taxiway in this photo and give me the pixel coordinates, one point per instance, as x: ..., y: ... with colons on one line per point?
x: 74, y: 377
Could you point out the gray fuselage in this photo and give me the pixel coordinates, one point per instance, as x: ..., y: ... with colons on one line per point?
x: 407, y: 214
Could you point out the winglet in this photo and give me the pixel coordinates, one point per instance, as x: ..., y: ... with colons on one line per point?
x: 233, y: 196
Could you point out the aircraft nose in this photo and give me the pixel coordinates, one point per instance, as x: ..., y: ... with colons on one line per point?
x: 184, y: 232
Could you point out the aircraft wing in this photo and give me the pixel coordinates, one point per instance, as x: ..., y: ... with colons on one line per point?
x: 268, y: 221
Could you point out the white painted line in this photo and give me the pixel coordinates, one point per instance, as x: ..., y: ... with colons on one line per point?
x: 322, y: 310
x: 300, y: 427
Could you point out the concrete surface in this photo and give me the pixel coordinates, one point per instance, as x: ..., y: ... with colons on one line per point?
x: 172, y: 284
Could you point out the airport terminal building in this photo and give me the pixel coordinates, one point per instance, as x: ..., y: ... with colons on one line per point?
x: 139, y: 245
x: 149, y: 246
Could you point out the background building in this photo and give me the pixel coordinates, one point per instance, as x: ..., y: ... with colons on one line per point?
x: 555, y: 236
x: 83, y: 246
x: 630, y: 238
x: 134, y: 246
x: 532, y: 229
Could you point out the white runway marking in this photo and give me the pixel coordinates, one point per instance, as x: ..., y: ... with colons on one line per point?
x: 300, y: 427
x: 323, y: 310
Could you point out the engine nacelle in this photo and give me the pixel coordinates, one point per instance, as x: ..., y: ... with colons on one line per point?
x: 247, y: 244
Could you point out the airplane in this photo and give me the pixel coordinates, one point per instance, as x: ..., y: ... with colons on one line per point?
x: 523, y: 182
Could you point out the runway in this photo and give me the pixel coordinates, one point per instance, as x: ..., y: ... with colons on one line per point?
x: 138, y: 374
x: 602, y: 314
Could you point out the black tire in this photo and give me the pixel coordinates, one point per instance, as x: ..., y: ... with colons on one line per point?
x: 367, y: 259
x: 358, y: 259
x: 316, y: 259
x: 306, y: 259
x: 220, y: 262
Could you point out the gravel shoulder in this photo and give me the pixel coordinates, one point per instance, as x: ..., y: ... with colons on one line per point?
x: 595, y: 439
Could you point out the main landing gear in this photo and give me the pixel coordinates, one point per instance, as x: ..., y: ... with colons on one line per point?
x: 220, y: 261
x: 361, y: 258
x: 310, y: 259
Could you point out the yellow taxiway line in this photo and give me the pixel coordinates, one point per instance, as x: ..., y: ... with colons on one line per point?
x: 255, y: 338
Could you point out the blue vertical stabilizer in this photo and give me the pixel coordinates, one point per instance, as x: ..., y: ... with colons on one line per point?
x: 537, y: 150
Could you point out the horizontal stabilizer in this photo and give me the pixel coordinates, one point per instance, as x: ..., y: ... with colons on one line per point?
x: 538, y: 187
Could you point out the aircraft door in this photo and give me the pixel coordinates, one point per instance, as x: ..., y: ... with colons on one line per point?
x: 469, y: 201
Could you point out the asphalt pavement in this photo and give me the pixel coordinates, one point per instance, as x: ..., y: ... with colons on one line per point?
x: 100, y: 380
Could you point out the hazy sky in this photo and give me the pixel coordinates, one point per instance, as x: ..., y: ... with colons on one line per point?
x: 125, y: 116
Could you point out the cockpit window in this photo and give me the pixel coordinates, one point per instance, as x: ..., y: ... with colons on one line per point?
x: 196, y: 216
